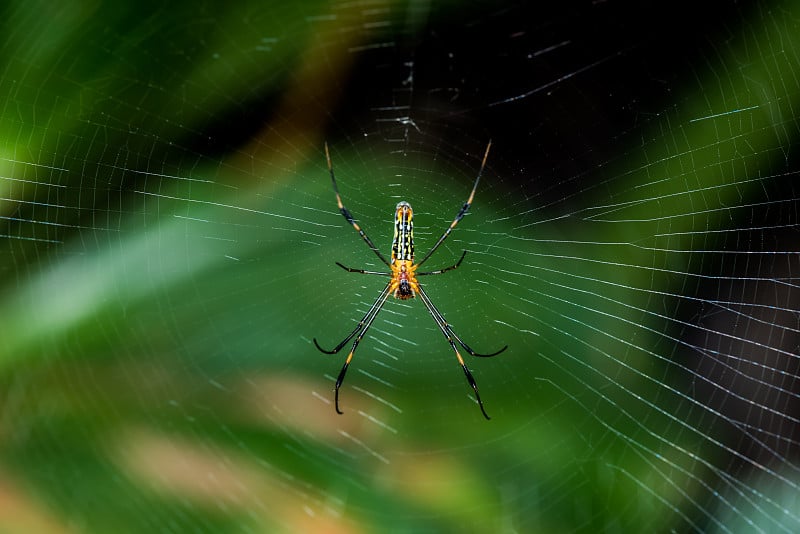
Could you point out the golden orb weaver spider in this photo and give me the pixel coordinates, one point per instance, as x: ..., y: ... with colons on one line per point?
x: 403, y: 282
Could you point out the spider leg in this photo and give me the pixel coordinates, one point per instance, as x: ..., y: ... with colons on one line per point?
x: 469, y: 350
x: 449, y: 328
x: 449, y: 335
x: 361, y: 271
x: 463, y: 210
x: 373, y: 309
x: 440, y: 271
x: 346, y: 213
x: 359, y: 332
x: 367, y: 323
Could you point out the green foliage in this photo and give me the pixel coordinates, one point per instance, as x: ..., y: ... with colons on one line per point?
x: 159, y: 295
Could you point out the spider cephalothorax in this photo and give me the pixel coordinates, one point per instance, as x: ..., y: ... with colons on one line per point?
x: 404, y: 283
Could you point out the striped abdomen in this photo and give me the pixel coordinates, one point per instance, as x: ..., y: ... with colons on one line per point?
x: 403, y: 242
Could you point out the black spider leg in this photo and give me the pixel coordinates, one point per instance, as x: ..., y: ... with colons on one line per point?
x: 380, y: 273
x: 359, y: 332
x: 440, y: 271
x: 361, y: 271
x: 346, y: 213
x: 450, y: 335
x: 461, y: 212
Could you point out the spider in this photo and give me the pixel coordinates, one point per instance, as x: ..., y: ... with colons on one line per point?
x: 403, y: 282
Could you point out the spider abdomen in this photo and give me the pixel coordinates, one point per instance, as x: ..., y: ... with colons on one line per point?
x: 403, y: 242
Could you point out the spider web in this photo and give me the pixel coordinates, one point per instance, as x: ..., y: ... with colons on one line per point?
x: 169, y: 234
